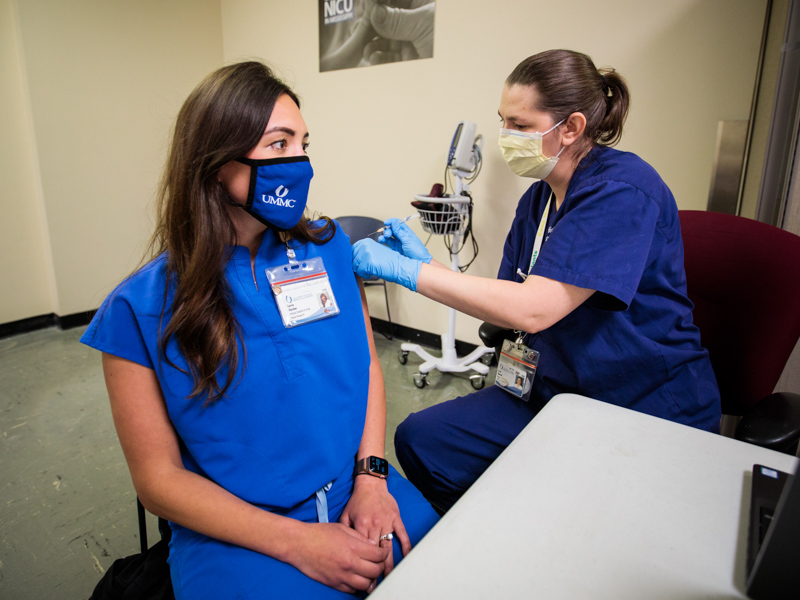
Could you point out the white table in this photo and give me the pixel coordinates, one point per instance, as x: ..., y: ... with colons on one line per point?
x: 595, y: 501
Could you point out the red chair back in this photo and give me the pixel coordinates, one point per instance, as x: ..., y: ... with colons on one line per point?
x: 744, y: 279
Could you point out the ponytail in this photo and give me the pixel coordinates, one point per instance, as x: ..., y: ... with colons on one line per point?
x: 566, y: 82
x: 617, y: 98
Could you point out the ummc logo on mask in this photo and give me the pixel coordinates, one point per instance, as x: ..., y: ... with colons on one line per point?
x: 280, y: 197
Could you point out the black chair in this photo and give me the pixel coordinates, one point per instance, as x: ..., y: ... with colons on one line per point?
x: 359, y: 228
x: 142, y: 575
x: 163, y: 527
x: 744, y: 280
x: 493, y: 336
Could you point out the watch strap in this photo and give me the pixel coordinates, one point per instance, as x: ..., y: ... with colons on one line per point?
x: 372, y: 465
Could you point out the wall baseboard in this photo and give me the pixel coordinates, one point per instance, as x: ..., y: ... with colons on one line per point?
x: 423, y: 338
x: 45, y: 321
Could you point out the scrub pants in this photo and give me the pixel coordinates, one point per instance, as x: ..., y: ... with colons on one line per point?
x: 205, y: 568
x: 445, y: 448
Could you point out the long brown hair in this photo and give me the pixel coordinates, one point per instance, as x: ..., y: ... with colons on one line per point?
x: 221, y: 120
x: 568, y: 82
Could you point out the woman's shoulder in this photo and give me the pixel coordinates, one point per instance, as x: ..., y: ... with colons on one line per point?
x: 114, y: 328
x: 143, y: 289
x: 339, y: 236
x: 150, y: 273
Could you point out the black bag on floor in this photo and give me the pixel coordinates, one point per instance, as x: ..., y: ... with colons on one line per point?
x: 143, y: 576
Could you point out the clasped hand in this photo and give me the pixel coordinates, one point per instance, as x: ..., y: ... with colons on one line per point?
x: 373, y: 511
x: 349, y: 556
x: 341, y: 557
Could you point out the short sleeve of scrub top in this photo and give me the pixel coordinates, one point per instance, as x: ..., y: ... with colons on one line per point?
x: 602, y: 246
x: 116, y: 328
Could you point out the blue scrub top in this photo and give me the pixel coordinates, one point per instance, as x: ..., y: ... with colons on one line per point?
x: 633, y: 343
x: 293, y: 422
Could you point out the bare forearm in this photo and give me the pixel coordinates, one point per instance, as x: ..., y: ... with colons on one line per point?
x: 202, y: 506
x: 373, y: 440
x: 485, y: 299
x: 436, y: 263
x: 531, y: 306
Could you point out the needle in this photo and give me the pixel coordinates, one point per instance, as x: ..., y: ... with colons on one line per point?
x: 408, y: 218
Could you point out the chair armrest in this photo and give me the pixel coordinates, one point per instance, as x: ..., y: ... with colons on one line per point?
x: 492, y: 336
x: 773, y: 423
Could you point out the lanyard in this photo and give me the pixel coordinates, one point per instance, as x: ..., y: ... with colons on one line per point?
x: 537, y: 244
x: 537, y: 247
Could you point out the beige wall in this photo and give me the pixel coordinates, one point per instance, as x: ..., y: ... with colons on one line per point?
x: 380, y: 134
x: 26, y: 270
x: 105, y: 79
x: 103, y: 83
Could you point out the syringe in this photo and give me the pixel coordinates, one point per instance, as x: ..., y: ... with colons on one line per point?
x: 408, y: 218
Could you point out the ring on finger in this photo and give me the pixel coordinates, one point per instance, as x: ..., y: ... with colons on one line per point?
x: 386, y: 536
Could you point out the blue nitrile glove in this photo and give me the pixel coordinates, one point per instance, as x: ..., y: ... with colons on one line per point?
x: 399, y: 237
x: 370, y: 259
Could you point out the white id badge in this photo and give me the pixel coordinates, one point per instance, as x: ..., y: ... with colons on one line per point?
x: 303, y: 292
x: 516, y: 369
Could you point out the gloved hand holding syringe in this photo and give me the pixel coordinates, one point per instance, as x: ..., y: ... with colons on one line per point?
x: 397, y: 235
x: 408, y: 218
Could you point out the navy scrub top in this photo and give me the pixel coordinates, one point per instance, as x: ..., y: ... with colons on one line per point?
x: 633, y: 343
x: 294, y: 421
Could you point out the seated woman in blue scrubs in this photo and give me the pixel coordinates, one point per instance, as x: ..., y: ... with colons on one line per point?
x: 592, y: 275
x: 268, y: 465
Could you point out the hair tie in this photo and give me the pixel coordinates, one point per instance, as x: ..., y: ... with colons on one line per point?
x: 604, y: 84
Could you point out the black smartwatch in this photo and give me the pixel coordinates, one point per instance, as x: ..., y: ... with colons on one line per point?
x: 372, y: 465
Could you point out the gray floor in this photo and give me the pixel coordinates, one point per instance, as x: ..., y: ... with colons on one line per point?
x: 67, y: 506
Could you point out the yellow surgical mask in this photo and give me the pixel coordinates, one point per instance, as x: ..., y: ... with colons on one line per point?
x: 523, y: 152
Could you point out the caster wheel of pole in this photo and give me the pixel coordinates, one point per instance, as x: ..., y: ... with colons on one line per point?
x: 487, y: 359
x: 420, y: 380
x: 478, y: 381
x: 402, y: 356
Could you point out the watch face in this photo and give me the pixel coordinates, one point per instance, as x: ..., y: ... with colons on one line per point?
x: 379, y: 465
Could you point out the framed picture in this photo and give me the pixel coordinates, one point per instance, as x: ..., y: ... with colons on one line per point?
x: 362, y: 33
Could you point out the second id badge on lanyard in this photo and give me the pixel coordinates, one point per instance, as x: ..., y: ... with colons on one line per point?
x: 516, y: 369
x: 303, y: 292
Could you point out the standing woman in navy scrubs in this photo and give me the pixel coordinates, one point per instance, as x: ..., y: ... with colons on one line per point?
x: 592, y: 275
x: 269, y: 468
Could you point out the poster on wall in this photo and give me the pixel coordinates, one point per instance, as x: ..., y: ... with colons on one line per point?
x: 362, y: 33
